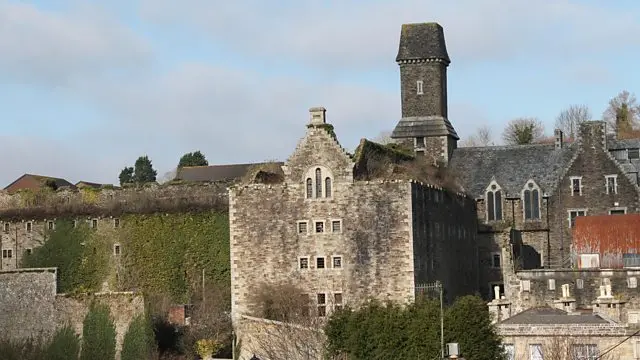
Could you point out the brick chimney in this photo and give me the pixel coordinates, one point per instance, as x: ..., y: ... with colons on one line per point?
x: 559, y: 138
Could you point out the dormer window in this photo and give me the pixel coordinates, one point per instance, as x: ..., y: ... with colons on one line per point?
x: 531, y: 201
x: 318, y: 183
x: 494, y: 202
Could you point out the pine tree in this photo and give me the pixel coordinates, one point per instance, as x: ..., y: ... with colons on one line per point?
x: 193, y: 159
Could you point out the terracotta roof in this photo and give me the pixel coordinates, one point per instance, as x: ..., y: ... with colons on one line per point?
x: 611, y: 236
x: 214, y: 172
x: 548, y: 315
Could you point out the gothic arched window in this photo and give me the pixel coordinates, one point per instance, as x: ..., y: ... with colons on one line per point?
x: 531, y: 201
x: 494, y: 202
x: 327, y: 187
x: 318, y: 183
x: 309, y: 188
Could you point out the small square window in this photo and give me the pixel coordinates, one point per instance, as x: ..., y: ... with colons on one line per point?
x: 320, y: 262
x: 337, y: 298
x: 116, y: 223
x: 579, y: 283
x: 634, y: 154
x: 6, y: 227
x: 51, y: 225
x: 420, y: 142
x: 302, y: 227
x: 495, y: 260
x: 7, y: 253
x: 319, y: 226
x: 29, y: 227
x: 617, y: 211
x: 632, y: 282
x: 526, y: 285
x: 94, y: 223
x: 116, y: 249
x: 337, y: 262
x: 552, y: 284
x: 336, y: 226
x: 4, y: 253
x: 29, y: 251
x: 304, y: 263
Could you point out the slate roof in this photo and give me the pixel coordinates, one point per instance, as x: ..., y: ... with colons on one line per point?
x: 613, y: 144
x: 551, y: 316
x: 215, y: 172
x: 60, y: 182
x: 511, y: 167
x: 422, y: 41
x: 426, y: 126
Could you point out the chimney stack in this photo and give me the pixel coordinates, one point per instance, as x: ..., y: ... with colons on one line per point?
x: 317, y: 115
x: 559, y: 138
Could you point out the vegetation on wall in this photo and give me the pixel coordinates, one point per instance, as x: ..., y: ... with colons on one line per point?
x: 413, y: 332
x: 98, y: 334
x: 81, y: 256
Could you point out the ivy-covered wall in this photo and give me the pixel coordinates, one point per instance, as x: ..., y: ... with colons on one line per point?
x: 158, y: 254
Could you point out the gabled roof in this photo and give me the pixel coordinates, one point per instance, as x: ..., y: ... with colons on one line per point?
x: 613, y: 144
x: 550, y: 316
x: 511, y: 166
x: 59, y: 182
x: 215, y: 172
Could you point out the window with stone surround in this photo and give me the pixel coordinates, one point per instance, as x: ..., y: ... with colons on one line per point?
x: 116, y: 249
x: 576, y: 185
x: 6, y: 227
x: 494, y: 202
x: 29, y: 226
x: 50, y: 225
x: 574, y: 213
x: 617, y: 211
x: 7, y: 253
x: 495, y: 260
x: 309, y: 188
x: 419, y: 142
x: 336, y: 226
x: 634, y: 154
x: 531, y: 201
x: 632, y: 283
x: 28, y: 251
x: 322, y: 304
x: 303, y: 262
x: 337, y: 301
x: 419, y: 87
x: 94, y: 223
x: 551, y: 284
x: 320, y: 262
x: 611, y: 184
x: 579, y: 283
x: 327, y: 187
x: 116, y: 223
x: 319, y: 226
x: 318, y: 183
x: 585, y: 351
x: 303, y: 227
x: 337, y: 262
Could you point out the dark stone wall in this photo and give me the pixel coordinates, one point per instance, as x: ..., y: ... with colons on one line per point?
x: 444, y: 240
x: 433, y: 101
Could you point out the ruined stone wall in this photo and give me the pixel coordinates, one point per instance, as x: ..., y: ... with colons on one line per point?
x: 374, y: 241
x: 444, y: 240
x: 31, y: 307
x: 26, y: 217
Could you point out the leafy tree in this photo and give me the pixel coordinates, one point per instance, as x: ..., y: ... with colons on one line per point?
x: 74, y: 251
x: 388, y: 331
x: 143, y: 171
x: 623, y: 113
x: 126, y: 176
x: 522, y: 131
x: 139, y: 340
x: 98, y: 334
x: 569, y: 119
x: 65, y: 345
x: 193, y: 159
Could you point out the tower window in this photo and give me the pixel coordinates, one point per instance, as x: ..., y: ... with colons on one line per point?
x: 420, y: 141
x: 29, y: 227
x: 327, y: 187
x: 419, y: 87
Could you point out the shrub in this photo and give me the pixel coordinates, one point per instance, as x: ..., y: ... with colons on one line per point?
x: 98, y: 334
x: 65, y: 345
x: 27, y: 349
x: 138, y: 341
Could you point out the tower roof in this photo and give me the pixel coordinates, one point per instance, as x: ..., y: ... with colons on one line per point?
x: 422, y: 41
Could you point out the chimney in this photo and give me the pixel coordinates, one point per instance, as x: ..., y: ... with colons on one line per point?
x: 559, y: 138
x: 317, y: 115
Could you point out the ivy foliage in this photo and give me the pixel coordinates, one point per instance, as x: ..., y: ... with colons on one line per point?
x: 390, y: 331
x: 98, y: 334
x: 138, y: 341
x: 81, y: 256
x: 166, y: 254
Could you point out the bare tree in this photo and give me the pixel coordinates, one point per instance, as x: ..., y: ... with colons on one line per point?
x: 482, y: 137
x: 569, y: 119
x: 522, y: 131
x: 383, y: 138
x: 282, y: 325
x: 209, y: 318
x: 623, y: 113
x: 561, y: 347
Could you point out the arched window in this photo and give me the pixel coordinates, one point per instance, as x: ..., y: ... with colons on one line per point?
x: 309, y: 188
x: 531, y: 201
x: 318, y: 183
x: 494, y: 202
x: 327, y: 187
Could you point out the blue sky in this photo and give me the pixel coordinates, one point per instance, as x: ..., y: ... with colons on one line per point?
x: 86, y: 86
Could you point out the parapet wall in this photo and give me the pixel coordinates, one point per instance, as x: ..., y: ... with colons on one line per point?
x: 31, y: 307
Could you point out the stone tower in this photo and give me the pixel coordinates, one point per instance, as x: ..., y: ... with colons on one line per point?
x: 423, y: 60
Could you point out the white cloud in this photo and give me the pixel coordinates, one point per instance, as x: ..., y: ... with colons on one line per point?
x: 54, y: 48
